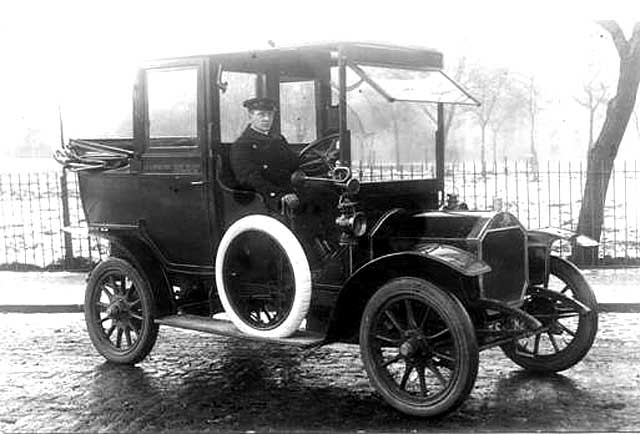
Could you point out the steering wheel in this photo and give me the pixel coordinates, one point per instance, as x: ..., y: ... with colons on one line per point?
x: 319, y: 157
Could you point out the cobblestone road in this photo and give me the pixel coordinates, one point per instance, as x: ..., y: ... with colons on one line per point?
x: 53, y: 380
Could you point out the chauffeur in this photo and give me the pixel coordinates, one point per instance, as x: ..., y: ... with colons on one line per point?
x: 262, y: 161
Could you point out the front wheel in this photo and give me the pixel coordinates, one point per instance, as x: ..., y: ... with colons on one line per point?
x: 119, y: 312
x: 418, y: 347
x: 567, y: 333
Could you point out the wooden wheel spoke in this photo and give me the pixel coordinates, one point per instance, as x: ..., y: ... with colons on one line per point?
x: 119, y: 338
x: 438, y: 334
x: 112, y: 283
x: 444, y: 356
x: 434, y: 369
x: 566, y: 329
x: 135, y: 316
x: 411, y: 319
x: 111, y: 330
x: 424, y: 318
x: 267, y: 313
x: 394, y: 321
x: 423, y: 383
x: 103, y: 288
x: 103, y: 320
x: 553, y: 342
x: 565, y: 289
x: 127, y: 335
x: 388, y: 339
x: 394, y: 359
x: 405, y: 377
x: 130, y: 291
x: 135, y: 303
x: 536, y: 344
x: 123, y: 285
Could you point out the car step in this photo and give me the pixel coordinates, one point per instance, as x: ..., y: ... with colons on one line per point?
x: 300, y: 338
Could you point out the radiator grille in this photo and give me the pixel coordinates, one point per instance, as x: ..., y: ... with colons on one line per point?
x: 504, y: 251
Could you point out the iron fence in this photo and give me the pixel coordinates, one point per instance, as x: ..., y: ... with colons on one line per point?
x: 35, y: 207
x: 34, y: 210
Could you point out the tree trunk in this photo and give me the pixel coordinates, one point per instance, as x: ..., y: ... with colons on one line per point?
x: 483, y: 148
x: 603, y: 152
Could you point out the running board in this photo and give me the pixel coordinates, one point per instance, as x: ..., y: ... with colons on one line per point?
x: 300, y: 338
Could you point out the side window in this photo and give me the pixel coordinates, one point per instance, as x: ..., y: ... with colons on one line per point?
x: 238, y: 87
x: 298, y: 111
x: 173, y: 104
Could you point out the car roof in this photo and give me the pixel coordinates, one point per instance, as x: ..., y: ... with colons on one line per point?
x: 371, y: 53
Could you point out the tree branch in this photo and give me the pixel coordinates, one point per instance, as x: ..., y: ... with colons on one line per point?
x: 634, y: 42
x: 621, y: 43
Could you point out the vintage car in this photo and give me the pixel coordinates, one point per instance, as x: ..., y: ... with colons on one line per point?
x: 373, y: 255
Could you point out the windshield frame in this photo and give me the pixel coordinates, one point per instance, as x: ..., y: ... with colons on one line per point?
x: 355, y: 67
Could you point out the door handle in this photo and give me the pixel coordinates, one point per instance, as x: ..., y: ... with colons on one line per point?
x: 195, y: 183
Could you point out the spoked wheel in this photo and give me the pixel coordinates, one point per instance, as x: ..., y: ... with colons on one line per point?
x: 568, y: 332
x: 418, y: 346
x: 263, y: 277
x: 119, y: 312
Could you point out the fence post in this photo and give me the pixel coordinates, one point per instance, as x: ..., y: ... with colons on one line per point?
x: 66, y: 220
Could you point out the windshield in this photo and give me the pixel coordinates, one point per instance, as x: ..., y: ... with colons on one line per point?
x: 391, y: 114
x: 428, y: 85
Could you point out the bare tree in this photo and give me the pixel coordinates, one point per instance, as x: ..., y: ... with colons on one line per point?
x: 595, y: 95
x: 460, y: 75
x: 508, y: 113
x: 489, y: 86
x: 532, y: 109
x: 602, y: 154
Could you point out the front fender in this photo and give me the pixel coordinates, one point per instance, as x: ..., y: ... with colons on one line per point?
x: 539, y: 247
x: 451, y: 268
x: 460, y: 260
x: 547, y: 236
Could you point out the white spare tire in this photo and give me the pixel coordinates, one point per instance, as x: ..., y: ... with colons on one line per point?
x: 269, y: 303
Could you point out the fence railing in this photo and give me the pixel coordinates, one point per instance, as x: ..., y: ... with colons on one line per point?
x: 35, y: 207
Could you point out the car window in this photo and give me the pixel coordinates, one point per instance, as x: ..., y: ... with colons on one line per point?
x: 235, y: 88
x: 172, y: 103
x: 297, y: 111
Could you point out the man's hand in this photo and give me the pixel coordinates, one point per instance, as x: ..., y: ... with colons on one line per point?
x: 291, y: 200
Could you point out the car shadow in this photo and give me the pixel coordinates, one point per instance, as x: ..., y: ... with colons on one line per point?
x: 524, y: 400
x: 232, y: 386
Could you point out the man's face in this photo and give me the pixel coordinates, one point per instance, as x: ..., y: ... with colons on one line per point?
x: 261, y: 120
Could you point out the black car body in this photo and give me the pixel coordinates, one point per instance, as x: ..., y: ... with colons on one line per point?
x: 367, y: 258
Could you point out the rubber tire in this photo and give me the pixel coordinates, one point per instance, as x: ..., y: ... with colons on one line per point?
x: 147, y: 338
x: 449, y: 309
x: 587, y: 326
x: 297, y: 258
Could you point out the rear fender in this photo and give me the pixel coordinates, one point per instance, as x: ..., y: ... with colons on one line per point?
x: 539, y: 249
x: 450, y: 268
x: 128, y: 245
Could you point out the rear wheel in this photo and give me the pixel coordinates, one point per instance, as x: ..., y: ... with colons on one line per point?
x: 418, y: 347
x: 119, y: 312
x: 568, y: 334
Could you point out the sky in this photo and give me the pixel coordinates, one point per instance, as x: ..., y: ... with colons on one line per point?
x: 65, y: 52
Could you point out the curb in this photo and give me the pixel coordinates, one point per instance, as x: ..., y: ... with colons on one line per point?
x: 41, y: 308
x: 619, y: 307
x: 79, y: 308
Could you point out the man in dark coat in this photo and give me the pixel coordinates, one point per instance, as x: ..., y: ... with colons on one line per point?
x: 262, y: 161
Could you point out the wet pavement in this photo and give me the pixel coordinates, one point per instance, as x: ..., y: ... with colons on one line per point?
x: 51, y: 379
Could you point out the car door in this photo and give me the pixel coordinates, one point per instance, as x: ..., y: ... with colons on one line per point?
x: 170, y: 130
